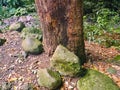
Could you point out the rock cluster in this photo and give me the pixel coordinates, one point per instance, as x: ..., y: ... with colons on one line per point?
x: 68, y: 64
x: 62, y: 63
x: 30, y: 37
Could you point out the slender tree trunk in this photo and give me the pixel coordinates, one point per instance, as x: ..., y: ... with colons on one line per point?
x: 62, y: 23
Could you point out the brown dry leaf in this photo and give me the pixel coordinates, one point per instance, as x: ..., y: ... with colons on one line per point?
x: 12, y: 79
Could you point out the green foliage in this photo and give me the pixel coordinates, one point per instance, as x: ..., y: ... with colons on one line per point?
x: 117, y: 57
x: 20, y: 11
x: 101, y: 18
x: 32, y: 32
x: 16, y: 7
x: 107, y: 19
x: 11, y: 3
x: 92, y: 6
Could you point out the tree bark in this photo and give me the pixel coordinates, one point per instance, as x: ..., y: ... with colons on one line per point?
x: 62, y: 23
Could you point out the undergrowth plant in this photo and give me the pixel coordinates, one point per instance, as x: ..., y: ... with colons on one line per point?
x: 16, y: 8
x: 98, y: 27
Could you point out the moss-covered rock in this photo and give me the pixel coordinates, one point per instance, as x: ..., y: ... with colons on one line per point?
x: 66, y: 62
x: 48, y: 78
x: 95, y: 80
x: 17, y: 26
x: 32, y: 45
x: 2, y: 41
x: 31, y: 32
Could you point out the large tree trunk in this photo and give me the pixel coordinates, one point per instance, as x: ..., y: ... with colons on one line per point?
x: 61, y: 22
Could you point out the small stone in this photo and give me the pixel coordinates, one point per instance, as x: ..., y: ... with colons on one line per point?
x: 66, y: 84
x: 72, y: 83
x: 32, y: 45
x: 48, y: 78
x: 34, y: 71
x: 70, y: 87
x: 16, y: 26
x: 24, y: 54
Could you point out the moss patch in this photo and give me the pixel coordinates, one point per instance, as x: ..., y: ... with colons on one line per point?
x: 68, y: 68
x: 31, y: 32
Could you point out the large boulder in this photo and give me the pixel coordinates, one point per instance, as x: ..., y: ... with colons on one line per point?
x: 16, y: 26
x: 95, y: 80
x: 48, y: 78
x: 31, y: 32
x: 66, y: 62
x: 32, y: 45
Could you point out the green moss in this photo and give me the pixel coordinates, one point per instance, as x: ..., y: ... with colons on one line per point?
x: 31, y: 32
x: 95, y: 80
x: 57, y: 77
x: 68, y: 68
x: 117, y: 58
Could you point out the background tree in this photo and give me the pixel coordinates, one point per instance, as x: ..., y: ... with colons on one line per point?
x: 61, y: 22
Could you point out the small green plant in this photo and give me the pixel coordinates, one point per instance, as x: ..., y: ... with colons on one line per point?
x: 20, y: 11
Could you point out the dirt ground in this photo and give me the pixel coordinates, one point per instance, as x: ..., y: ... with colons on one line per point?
x: 20, y: 71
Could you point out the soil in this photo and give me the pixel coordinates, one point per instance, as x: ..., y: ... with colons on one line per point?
x: 20, y: 71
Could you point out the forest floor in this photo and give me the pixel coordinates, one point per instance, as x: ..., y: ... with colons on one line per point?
x: 20, y: 71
